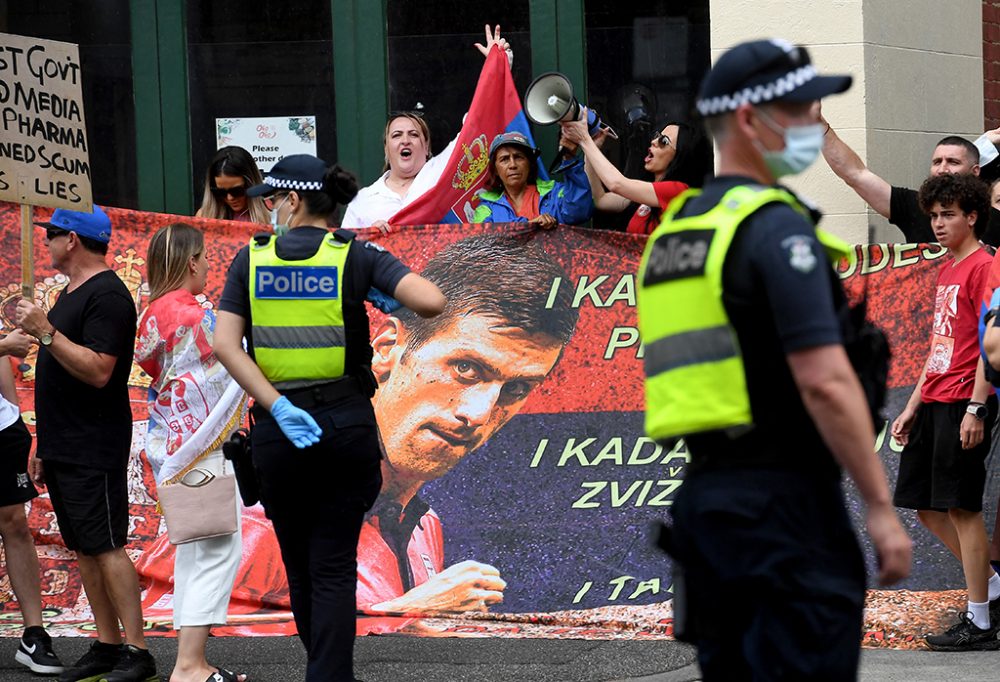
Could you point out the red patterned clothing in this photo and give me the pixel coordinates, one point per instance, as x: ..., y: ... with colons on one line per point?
x: 951, y: 370
x: 193, y: 402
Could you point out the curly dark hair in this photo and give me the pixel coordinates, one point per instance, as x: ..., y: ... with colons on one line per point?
x: 500, y: 276
x: 967, y: 192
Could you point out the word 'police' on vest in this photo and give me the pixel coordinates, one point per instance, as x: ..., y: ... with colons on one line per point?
x: 678, y: 254
x: 296, y: 282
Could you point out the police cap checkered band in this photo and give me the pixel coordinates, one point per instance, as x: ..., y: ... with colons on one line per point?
x: 764, y: 71
x: 300, y: 172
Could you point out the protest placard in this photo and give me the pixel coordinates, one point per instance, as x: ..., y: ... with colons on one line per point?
x: 44, y: 158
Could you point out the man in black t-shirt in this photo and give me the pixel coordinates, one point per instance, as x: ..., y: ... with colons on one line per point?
x: 84, y: 429
x: 769, y: 561
x: 898, y: 205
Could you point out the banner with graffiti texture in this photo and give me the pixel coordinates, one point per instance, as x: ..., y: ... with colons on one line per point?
x: 515, y: 454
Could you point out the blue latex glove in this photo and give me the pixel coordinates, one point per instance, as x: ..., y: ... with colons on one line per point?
x: 387, y: 304
x: 297, y: 425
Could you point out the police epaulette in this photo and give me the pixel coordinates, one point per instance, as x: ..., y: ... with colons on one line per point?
x: 344, y: 235
x: 262, y: 238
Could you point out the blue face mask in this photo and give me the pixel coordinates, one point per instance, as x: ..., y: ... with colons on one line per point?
x: 803, y: 145
x: 279, y: 228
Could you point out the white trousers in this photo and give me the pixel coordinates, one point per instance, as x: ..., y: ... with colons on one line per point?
x: 204, y: 570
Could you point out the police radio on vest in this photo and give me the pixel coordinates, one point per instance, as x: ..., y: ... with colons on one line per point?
x: 296, y: 282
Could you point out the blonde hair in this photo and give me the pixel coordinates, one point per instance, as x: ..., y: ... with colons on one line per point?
x: 234, y: 162
x: 167, y: 257
x: 420, y: 123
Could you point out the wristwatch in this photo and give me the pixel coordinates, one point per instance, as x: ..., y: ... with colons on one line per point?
x: 46, y: 338
x: 977, y: 410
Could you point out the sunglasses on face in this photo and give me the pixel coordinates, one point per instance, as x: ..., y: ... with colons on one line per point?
x: 53, y: 232
x: 662, y: 140
x: 234, y: 192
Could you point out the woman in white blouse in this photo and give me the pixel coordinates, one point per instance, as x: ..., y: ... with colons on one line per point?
x: 410, y: 168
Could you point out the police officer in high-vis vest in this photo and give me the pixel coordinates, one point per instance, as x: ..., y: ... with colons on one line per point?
x: 739, y: 310
x: 299, y: 301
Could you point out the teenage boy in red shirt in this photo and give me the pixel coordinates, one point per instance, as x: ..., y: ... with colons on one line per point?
x: 945, y: 426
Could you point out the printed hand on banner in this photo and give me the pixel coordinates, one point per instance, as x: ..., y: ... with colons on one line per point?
x: 297, y: 424
x: 465, y: 586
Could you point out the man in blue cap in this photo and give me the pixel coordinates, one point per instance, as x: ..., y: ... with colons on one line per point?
x: 740, y: 312
x: 84, y: 431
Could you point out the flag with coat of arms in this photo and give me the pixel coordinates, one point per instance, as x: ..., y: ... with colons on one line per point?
x: 496, y: 108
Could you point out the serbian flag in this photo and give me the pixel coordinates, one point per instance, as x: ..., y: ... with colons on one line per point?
x: 495, y: 109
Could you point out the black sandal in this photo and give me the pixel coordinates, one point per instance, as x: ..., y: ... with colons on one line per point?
x: 225, y: 676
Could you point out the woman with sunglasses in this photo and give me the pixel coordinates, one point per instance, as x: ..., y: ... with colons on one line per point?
x: 410, y: 168
x: 231, y: 171
x: 194, y: 405
x: 679, y: 157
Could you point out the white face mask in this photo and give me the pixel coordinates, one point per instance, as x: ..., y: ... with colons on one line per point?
x: 279, y: 229
x: 803, y: 145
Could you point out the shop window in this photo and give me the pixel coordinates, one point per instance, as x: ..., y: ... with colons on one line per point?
x: 433, y: 64
x: 651, y: 50
x: 250, y: 59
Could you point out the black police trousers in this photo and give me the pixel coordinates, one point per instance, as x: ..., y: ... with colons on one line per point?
x: 316, y: 498
x: 775, y: 580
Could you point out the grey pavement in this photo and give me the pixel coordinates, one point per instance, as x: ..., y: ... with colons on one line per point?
x: 403, y: 659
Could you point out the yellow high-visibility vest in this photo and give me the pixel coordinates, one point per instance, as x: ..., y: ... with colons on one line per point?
x: 297, y: 312
x: 695, y: 379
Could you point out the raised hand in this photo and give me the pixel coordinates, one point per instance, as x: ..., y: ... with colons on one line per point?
x: 493, y: 38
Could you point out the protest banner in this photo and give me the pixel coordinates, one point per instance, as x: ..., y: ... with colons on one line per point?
x: 556, y: 487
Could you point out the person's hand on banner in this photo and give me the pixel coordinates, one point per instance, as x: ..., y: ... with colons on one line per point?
x: 493, y: 38
x: 297, y: 424
x: 544, y: 221
x: 383, y: 226
x: 465, y: 586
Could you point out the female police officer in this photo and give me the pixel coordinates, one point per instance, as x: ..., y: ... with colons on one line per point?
x: 299, y: 300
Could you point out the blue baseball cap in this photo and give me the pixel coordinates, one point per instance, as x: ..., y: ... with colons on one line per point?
x: 95, y: 225
x: 513, y: 138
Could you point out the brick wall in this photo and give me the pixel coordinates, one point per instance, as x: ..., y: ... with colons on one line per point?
x: 991, y: 63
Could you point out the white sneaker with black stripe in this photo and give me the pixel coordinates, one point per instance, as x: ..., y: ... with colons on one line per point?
x: 35, y: 652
